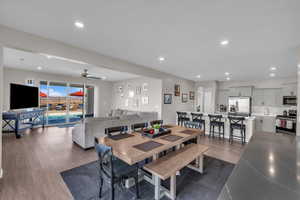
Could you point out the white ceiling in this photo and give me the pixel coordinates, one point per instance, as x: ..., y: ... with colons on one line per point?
x: 30, y: 61
x: 262, y: 33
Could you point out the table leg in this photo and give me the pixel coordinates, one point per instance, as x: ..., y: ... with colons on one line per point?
x: 197, y: 159
x: 173, y: 187
x: 200, y: 164
x: 156, y: 187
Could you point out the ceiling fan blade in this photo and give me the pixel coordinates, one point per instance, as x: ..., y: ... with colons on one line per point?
x: 93, y: 77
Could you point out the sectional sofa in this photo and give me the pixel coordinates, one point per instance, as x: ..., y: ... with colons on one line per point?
x: 84, y: 132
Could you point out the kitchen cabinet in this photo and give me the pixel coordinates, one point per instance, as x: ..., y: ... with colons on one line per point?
x: 265, y: 124
x: 267, y: 97
x: 289, y: 89
x: 223, y: 97
x: 241, y: 91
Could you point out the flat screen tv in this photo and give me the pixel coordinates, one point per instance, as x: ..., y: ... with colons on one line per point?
x: 23, y: 96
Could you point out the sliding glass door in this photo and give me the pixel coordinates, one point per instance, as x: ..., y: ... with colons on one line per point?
x: 76, y: 102
x: 57, y: 103
x: 66, y: 102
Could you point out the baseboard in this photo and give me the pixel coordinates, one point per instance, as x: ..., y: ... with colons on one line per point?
x: 1, y: 172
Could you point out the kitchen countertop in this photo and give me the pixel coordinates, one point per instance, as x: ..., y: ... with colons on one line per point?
x: 263, y: 115
x: 225, y: 115
x: 268, y: 169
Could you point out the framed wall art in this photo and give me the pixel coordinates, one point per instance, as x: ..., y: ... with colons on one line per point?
x: 192, y: 95
x: 177, y: 90
x: 184, y: 98
x: 167, y: 98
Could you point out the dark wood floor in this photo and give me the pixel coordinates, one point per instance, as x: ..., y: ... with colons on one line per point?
x: 32, y: 164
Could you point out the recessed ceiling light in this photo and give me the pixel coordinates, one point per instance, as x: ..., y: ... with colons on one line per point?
x: 228, y: 78
x: 161, y: 59
x: 198, y: 76
x: 224, y: 42
x: 39, y: 68
x: 272, y: 74
x: 273, y: 68
x: 103, y: 77
x: 79, y: 24
x: 298, y: 65
x: 227, y: 73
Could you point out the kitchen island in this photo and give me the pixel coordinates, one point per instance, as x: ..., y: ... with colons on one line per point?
x: 268, y: 169
x: 249, y: 122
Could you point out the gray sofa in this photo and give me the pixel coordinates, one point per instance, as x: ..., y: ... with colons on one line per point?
x: 84, y: 132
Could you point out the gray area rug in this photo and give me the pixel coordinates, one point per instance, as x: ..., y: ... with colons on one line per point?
x: 83, y: 183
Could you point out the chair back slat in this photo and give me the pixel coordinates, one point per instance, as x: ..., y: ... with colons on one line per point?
x: 196, y: 116
x: 189, y: 124
x: 236, y: 120
x: 215, y: 118
x: 105, y: 158
x: 135, y: 127
x: 116, y: 129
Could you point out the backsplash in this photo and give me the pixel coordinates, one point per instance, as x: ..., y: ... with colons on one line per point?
x: 273, y: 110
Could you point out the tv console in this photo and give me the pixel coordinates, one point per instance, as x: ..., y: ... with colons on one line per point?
x: 23, y: 119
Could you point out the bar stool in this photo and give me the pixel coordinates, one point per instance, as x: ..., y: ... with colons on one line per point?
x: 182, y: 117
x: 216, y: 121
x: 197, y: 117
x: 237, y: 123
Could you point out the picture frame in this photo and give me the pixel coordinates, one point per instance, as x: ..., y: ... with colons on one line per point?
x: 145, y: 100
x: 177, y: 90
x: 192, y: 95
x: 184, y: 98
x: 167, y: 98
x: 138, y: 90
x: 145, y: 86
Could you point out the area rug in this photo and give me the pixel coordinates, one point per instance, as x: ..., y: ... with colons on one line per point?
x: 83, y: 183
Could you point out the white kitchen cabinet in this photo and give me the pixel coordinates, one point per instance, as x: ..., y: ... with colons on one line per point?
x: 258, y: 97
x: 258, y: 123
x: 267, y: 97
x: 265, y: 124
x: 289, y: 90
x: 223, y: 97
x: 268, y: 124
x: 241, y: 91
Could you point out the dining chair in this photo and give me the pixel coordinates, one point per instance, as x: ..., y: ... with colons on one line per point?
x: 116, y: 129
x: 160, y: 122
x: 139, y: 126
x: 113, y: 170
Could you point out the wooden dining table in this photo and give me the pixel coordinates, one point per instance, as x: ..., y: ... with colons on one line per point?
x: 125, y: 149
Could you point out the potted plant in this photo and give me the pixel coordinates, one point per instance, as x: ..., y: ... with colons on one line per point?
x: 156, y: 128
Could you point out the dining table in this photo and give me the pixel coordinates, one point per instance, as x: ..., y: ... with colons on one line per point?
x: 139, y: 147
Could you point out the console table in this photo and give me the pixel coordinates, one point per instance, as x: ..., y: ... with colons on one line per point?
x: 23, y: 119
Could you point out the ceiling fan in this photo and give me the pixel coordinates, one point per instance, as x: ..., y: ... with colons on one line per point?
x: 86, y: 74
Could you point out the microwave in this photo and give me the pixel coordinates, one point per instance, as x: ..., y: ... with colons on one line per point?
x: 289, y: 100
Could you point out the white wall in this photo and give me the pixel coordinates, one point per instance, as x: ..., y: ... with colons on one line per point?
x: 153, y: 92
x: 169, y: 110
x: 1, y: 103
x: 211, y: 85
x: 103, y: 89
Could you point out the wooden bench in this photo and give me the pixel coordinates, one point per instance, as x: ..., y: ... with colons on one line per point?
x: 167, y: 166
